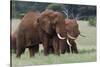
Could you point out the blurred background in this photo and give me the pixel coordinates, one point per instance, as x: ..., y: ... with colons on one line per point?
x: 82, y: 12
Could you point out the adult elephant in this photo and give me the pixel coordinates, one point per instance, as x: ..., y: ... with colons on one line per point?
x: 73, y: 32
x: 51, y: 24
x: 27, y: 35
x: 38, y: 28
x: 69, y: 43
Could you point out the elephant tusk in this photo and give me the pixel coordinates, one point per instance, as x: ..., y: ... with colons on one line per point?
x: 71, y: 37
x: 62, y: 38
x: 68, y: 43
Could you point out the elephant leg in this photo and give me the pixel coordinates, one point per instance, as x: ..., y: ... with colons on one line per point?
x: 63, y: 50
x: 37, y: 48
x: 62, y: 46
x: 74, y: 47
x: 20, y: 44
x: 51, y: 50
x: 45, y: 50
x: 50, y: 47
x: 56, y: 46
x: 44, y: 38
x: 45, y: 45
x: 68, y: 48
x: 19, y: 51
x: 32, y: 51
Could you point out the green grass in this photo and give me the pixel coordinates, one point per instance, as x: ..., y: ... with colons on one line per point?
x: 53, y: 59
x: 86, y: 46
x: 92, y: 21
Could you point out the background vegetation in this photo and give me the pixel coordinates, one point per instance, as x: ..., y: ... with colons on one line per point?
x: 92, y: 21
x: 82, y: 12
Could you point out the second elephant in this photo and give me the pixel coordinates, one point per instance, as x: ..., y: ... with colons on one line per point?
x: 27, y: 35
x: 69, y: 43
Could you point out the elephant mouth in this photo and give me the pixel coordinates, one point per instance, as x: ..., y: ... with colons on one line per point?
x: 60, y: 37
x: 71, y: 37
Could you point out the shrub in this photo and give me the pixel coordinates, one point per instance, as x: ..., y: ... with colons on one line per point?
x: 92, y: 21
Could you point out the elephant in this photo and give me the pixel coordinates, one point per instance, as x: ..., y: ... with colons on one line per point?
x: 27, y: 35
x: 13, y: 41
x: 69, y: 43
x: 73, y: 32
x: 36, y: 28
x: 51, y: 24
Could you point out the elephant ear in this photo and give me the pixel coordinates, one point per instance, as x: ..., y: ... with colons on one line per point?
x: 44, y: 24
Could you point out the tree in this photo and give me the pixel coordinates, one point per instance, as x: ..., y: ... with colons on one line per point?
x: 55, y: 7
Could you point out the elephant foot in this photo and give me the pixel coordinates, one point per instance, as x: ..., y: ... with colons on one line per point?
x: 57, y: 53
x: 32, y: 51
x: 32, y: 54
x: 51, y: 50
x: 18, y: 55
x: 68, y: 51
x: 19, y: 52
x: 76, y: 52
x: 63, y: 51
x: 45, y: 53
x: 36, y: 48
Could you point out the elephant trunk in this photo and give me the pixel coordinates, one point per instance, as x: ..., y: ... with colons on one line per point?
x: 71, y: 37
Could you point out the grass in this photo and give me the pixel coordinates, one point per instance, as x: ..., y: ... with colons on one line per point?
x: 92, y: 21
x: 53, y: 59
x: 86, y: 46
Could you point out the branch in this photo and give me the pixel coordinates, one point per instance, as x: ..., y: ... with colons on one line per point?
x: 65, y: 14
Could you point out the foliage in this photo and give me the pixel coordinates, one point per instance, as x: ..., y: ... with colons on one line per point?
x: 55, y: 7
x: 18, y: 8
x: 92, y: 21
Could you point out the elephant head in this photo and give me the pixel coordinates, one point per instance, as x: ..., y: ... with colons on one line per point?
x: 72, y: 28
x: 72, y: 34
x: 52, y: 22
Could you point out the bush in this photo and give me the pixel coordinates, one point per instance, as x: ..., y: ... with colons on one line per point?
x: 55, y: 7
x: 92, y: 21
